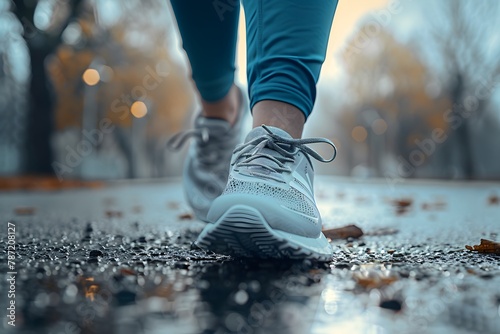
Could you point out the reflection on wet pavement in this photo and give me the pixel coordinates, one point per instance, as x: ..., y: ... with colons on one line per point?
x: 137, y: 271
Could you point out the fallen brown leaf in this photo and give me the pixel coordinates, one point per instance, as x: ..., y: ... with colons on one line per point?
x: 89, y: 287
x: 486, y: 246
x: 165, y: 291
x: 349, y: 231
x: 374, y: 280
x: 127, y: 272
x: 402, y: 205
x: 24, y: 211
x: 113, y: 214
x: 186, y: 216
x: 494, y: 200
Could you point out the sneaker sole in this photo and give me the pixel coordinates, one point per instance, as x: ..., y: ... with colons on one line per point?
x: 243, y: 232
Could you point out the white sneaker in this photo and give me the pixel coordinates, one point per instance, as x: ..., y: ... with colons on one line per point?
x: 206, y: 168
x: 267, y: 209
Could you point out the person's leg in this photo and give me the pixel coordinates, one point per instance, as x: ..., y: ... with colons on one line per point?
x: 209, y: 38
x: 267, y: 209
x: 286, y: 46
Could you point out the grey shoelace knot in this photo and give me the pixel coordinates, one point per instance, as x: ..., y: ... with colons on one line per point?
x: 286, y: 147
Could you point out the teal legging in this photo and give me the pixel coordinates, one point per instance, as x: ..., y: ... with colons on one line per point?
x: 286, y: 46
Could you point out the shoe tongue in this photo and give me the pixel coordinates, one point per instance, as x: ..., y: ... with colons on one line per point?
x: 259, y: 132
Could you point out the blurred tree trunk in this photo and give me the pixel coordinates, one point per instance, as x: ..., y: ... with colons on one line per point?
x: 460, y: 34
x: 462, y: 133
x: 38, y: 152
x: 40, y: 116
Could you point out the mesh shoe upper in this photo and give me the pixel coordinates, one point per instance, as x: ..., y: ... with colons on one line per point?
x: 206, y: 167
x: 273, y: 173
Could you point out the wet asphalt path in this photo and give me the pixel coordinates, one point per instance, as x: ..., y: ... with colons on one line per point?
x: 120, y: 260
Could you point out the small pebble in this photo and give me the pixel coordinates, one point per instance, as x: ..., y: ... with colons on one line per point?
x: 95, y: 253
x: 392, y: 304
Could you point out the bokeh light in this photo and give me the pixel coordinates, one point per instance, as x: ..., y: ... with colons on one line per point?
x: 139, y: 109
x: 359, y: 133
x: 91, y: 77
x: 379, y: 126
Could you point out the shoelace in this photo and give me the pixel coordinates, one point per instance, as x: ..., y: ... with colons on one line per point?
x: 178, y: 140
x: 208, y: 148
x: 286, y: 147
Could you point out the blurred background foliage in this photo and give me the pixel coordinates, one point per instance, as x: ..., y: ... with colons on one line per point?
x: 417, y: 93
x: 88, y: 61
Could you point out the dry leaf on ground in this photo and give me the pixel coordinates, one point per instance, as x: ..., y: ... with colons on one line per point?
x: 374, y: 280
x: 113, y: 214
x: 127, y: 272
x: 165, y: 291
x: 186, y: 216
x: 349, y: 231
x: 494, y: 200
x: 402, y: 205
x: 486, y: 246
x: 24, y: 211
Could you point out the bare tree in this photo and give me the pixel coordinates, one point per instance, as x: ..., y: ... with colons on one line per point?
x: 459, y: 38
x: 40, y: 111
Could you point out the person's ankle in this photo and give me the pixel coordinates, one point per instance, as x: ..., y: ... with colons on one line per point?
x: 226, y: 108
x: 279, y: 114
